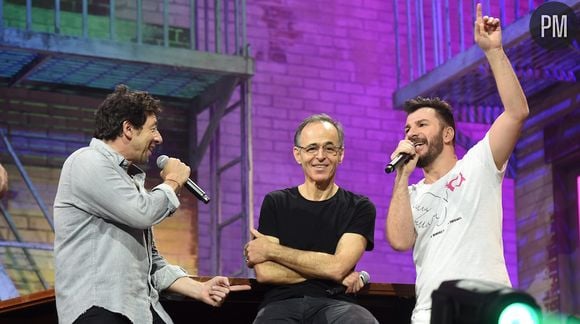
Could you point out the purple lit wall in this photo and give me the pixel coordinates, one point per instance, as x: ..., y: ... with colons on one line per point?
x: 337, y: 57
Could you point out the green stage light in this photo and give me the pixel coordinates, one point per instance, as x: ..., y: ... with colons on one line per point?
x: 518, y: 313
x: 482, y: 302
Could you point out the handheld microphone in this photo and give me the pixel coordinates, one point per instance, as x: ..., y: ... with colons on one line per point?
x: 189, y: 184
x: 363, y: 275
x: 400, y: 158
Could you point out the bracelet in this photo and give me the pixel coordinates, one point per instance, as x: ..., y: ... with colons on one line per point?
x: 178, y: 189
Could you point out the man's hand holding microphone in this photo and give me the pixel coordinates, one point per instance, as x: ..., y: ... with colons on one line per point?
x: 174, y: 173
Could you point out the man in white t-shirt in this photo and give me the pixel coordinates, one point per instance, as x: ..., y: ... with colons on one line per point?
x: 452, y: 218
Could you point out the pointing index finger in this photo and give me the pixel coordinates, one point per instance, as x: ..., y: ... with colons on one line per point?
x: 240, y: 287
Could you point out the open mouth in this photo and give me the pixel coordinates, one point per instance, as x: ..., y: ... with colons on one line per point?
x: 419, y: 146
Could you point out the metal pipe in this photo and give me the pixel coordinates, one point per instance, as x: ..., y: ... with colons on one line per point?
x: 2, y: 13
x: 27, y: 180
x: 139, y: 22
x: 461, y: 27
x: 27, y: 245
x: 397, y: 49
x: 217, y: 26
x: 237, y: 27
x: 245, y: 45
x: 85, y: 19
x: 447, y: 30
x: 246, y: 166
x: 193, y: 24
x: 409, y: 47
x: 421, y: 27
x: 502, y: 11
x: 28, y: 15
x: 434, y: 19
x: 226, y: 21
x: 165, y: 23
x: 214, y: 204
x: 57, y: 16
x: 206, y: 24
x: 112, y: 32
x: 29, y: 257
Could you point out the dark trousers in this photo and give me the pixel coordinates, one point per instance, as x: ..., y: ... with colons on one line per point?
x: 314, y: 310
x: 99, y: 315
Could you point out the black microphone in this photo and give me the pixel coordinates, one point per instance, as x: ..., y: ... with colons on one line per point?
x: 400, y: 158
x: 363, y: 275
x: 189, y: 184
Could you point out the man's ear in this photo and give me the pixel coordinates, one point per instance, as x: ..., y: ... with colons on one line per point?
x: 128, y: 129
x: 449, y: 134
x: 296, y: 153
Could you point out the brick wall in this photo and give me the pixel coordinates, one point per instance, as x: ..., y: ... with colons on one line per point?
x: 337, y: 57
x: 540, y: 250
x: 328, y: 56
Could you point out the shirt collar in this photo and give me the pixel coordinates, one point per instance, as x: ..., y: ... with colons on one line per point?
x: 115, y: 156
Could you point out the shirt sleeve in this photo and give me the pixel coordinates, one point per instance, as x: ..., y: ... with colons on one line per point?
x: 267, y: 221
x: 103, y: 189
x: 481, y: 152
x: 363, y: 222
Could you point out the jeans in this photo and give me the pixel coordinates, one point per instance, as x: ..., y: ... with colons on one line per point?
x: 314, y: 310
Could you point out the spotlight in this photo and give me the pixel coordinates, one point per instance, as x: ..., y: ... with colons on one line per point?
x: 482, y: 302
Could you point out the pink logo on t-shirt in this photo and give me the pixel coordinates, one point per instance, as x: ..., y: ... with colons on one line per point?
x: 455, y: 182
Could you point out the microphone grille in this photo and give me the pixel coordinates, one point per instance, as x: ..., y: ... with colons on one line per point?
x: 365, y: 277
x: 161, y: 161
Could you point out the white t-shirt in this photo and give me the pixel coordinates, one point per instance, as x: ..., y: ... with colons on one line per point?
x: 458, y: 221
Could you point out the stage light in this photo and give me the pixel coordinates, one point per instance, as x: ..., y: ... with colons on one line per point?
x: 482, y: 302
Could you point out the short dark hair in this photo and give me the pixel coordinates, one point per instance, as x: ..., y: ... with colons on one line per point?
x: 442, y: 108
x: 319, y: 118
x: 123, y: 105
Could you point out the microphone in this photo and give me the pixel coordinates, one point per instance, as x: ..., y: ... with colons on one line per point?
x: 189, y: 184
x: 363, y: 275
x: 401, y: 158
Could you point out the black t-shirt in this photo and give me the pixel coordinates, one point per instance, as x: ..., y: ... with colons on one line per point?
x: 314, y: 226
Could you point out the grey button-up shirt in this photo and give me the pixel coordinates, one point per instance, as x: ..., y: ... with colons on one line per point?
x: 104, y: 250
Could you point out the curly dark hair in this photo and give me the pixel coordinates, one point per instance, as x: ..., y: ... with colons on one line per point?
x: 123, y: 105
x: 441, y: 107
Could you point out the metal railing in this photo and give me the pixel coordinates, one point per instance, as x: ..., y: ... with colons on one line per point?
x: 437, y: 30
x: 20, y: 242
x: 217, y: 26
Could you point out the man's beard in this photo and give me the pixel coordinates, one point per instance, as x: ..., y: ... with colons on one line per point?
x: 435, y: 149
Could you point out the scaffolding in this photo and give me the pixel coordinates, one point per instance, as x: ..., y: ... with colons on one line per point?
x: 441, y: 62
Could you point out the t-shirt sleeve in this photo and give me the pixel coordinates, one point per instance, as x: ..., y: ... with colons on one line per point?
x: 267, y: 222
x: 363, y: 222
x: 481, y: 152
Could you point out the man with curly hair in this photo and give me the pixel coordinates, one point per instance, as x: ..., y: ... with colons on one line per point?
x: 107, y: 266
